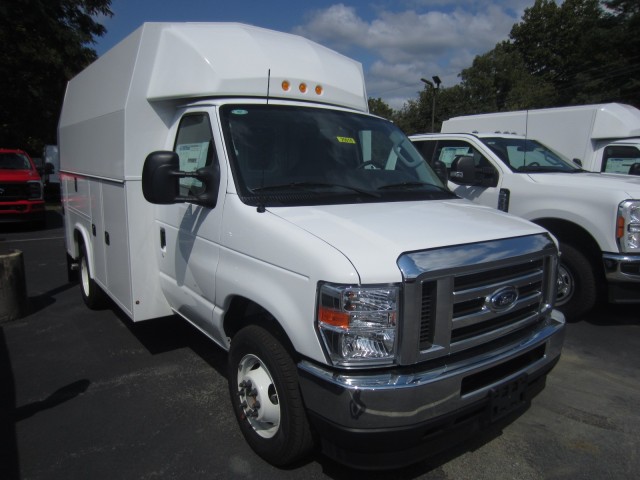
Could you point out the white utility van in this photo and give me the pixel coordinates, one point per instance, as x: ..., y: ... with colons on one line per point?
x: 600, y: 138
x: 361, y: 302
x: 595, y: 217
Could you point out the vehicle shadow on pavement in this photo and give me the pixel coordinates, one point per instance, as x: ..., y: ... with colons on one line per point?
x: 10, y: 414
x: 165, y: 334
x: 42, y: 301
x: 449, y: 450
x: 624, y: 314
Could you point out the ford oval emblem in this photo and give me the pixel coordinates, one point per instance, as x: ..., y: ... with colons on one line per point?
x: 502, y: 299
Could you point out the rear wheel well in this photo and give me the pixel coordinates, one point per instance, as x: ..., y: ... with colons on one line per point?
x: 243, y: 312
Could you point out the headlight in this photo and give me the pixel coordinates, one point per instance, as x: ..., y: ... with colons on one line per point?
x: 35, y: 190
x: 358, y: 325
x: 628, y: 226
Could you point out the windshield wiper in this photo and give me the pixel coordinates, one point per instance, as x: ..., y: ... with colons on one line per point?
x: 545, y: 169
x: 311, y: 186
x: 411, y: 185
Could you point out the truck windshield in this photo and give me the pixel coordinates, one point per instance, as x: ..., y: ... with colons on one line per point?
x: 529, y: 156
x: 14, y: 161
x: 286, y: 156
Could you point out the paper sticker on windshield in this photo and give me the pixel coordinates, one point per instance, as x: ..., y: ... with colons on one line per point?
x: 346, y: 140
x: 238, y: 111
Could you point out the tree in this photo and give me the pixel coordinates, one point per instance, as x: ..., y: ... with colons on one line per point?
x: 44, y: 44
x: 379, y: 107
x: 499, y: 81
x: 578, y: 48
x: 622, y: 75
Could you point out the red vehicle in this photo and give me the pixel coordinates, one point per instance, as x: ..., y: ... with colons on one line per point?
x: 21, y: 197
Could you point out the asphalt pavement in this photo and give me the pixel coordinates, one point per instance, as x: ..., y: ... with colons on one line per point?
x: 90, y: 395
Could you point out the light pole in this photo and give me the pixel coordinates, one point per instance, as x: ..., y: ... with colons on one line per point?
x: 437, y: 82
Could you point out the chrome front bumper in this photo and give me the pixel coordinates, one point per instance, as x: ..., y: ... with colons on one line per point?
x: 404, y: 397
x: 621, y: 268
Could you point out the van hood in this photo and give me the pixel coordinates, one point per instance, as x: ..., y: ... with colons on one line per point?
x: 372, y: 236
x: 629, y: 184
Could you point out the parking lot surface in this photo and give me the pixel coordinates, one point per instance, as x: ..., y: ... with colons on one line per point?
x: 89, y: 394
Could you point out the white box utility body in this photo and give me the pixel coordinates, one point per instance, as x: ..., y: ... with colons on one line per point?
x: 232, y: 175
x: 600, y: 138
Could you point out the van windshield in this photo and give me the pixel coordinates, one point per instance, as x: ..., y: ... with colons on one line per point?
x: 292, y: 155
x: 529, y: 156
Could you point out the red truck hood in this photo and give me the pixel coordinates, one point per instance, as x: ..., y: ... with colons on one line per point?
x: 18, y: 175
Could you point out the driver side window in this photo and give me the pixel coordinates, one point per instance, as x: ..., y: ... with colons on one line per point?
x: 620, y: 159
x: 195, y: 148
x: 448, y: 151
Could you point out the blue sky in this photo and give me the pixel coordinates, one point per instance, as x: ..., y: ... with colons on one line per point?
x: 397, y: 41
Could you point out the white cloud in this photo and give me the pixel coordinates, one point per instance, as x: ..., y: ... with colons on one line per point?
x: 419, y: 38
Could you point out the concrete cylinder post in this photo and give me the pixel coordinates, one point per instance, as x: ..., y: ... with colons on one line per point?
x: 13, y: 285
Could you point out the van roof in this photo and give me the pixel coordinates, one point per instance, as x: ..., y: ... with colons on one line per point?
x: 177, y: 61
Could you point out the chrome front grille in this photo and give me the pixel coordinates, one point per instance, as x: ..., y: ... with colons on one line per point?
x: 458, y: 298
x: 474, y: 318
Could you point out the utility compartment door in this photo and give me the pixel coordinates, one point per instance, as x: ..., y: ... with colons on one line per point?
x: 96, y: 229
x: 116, y: 244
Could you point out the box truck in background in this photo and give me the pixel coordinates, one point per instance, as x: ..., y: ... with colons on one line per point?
x: 600, y: 138
x: 232, y: 175
x: 595, y: 217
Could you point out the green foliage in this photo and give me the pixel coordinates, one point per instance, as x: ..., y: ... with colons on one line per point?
x: 379, y: 107
x: 500, y: 81
x: 564, y: 45
x: 44, y: 44
x: 561, y: 53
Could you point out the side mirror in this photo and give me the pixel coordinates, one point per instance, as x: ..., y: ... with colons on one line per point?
x: 578, y: 162
x: 634, y: 169
x: 160, y: 181
x: 463, y: 170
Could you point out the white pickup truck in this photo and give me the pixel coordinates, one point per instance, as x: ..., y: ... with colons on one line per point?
x: 595, y: 217
x: 600, y: 138
x: 232, y: 175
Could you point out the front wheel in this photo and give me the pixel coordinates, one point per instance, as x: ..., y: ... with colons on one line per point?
x: 577, y: 283
x: 266, y: 399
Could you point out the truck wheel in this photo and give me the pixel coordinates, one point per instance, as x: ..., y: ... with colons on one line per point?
x: 92, y: 294
x: 577, y: 284
x: 266, y: 399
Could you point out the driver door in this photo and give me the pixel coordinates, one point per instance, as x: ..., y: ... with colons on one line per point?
x: 448, y: 150
x: 189, y: 234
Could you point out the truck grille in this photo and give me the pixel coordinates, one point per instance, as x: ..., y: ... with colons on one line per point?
x: 12, y: 192
x: 454, y: 301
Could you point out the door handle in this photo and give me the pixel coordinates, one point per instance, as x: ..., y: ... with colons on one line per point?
x: 163, y: 239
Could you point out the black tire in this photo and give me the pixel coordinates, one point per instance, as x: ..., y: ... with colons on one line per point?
x: 92, y: 294
x: 577, y: 283
x: 266, y: 398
